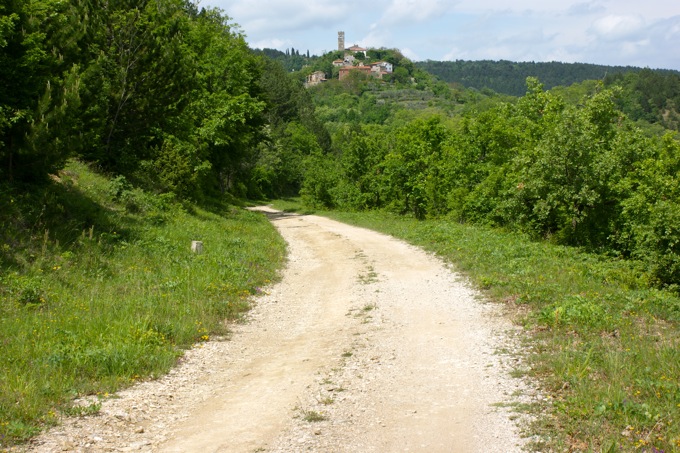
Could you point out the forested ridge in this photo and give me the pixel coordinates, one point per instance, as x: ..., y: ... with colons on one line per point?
x: 508, y: 77
x: 649, y: 94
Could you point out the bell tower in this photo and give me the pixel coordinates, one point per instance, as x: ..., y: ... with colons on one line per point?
x: 341, y: 41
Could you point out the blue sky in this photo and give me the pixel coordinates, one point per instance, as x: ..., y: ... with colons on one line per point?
x: 612, y: 32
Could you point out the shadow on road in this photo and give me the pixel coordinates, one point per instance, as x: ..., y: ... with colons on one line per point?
x: 273, y: 214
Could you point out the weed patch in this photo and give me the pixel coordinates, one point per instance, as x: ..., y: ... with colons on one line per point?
x: 313, y: 416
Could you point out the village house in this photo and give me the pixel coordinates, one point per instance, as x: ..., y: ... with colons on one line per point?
x: 377, y: 70
x: 315, y: 78
x: 344, y: 71
x: 384, y: 66
x: 356, y: 49
x: 348, y: 61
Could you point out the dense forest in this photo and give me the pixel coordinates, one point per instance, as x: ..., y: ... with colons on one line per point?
x: 652, y: 96
x: 292, y: 60
x: 163, y: 94
x: 509, y: 77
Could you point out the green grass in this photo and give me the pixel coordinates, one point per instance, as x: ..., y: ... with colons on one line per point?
x: 99, y: 289
x: 603, y: 346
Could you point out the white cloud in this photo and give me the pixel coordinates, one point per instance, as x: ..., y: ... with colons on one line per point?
x: 273, y: 43
x: 454, y: 54
x: 618, y: 27
x: 409, y: 11
x: 586, y: 8
x: 634, y: 48
x: 410, y: 54
x: 263, y: 16
x: 377, y: 37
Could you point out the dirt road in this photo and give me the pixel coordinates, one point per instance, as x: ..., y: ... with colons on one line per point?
x: 366, y: 345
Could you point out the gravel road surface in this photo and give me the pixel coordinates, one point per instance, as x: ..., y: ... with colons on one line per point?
x: 367, y: 344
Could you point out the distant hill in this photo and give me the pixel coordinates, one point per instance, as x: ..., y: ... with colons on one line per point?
x: 509, y: 77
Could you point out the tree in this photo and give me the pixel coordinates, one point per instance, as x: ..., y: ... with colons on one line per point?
x: 400, y: 75
x: 137, y: 81
x: 40, y: 86
x: 412, y: 168
x: 290, y: 116
x: 649, y: 193
x: 226, y: 108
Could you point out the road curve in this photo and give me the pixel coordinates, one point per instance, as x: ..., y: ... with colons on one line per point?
x: 367, y: 344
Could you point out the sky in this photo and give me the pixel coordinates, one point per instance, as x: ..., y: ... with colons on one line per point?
x: 644, y: 33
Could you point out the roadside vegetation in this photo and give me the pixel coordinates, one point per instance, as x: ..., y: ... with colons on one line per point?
x: 579, y: 174
x: 603, y: 346
x: 99, y: 288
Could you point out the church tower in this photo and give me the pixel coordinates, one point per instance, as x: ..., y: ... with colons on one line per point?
x: 341, y: 41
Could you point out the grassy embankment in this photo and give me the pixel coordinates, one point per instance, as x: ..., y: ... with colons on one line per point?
x: 99, y: 288
x: 603, y: 346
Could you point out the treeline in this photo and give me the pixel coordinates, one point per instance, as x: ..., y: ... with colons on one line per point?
x: 509, y: 77
x: 292, y: 59
x: 158, y: 91
x: 652, y: 96
x: 580, y: 174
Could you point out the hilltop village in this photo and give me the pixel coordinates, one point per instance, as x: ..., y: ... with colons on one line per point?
x: 351, y: 61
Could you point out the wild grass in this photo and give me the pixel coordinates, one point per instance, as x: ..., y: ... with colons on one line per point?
x: 603, y: 345
x: 99, y: 289
x: 313, y: 416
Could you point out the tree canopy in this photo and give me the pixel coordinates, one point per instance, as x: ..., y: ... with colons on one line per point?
x: 159, y: 91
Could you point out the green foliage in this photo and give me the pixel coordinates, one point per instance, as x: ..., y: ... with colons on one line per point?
x: 564, y: 181
x: 321, y: 177
x: 651, y: 208
x: 179, y: 168
x: 649, y: 95
x: 294, y: 132
x: 509, y: 77
x: 291, y: 62
x: 99, y: 289
x: 577, y: 173
x: 136, y: 51
x: 133, y: 86
x: 40, y: 87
